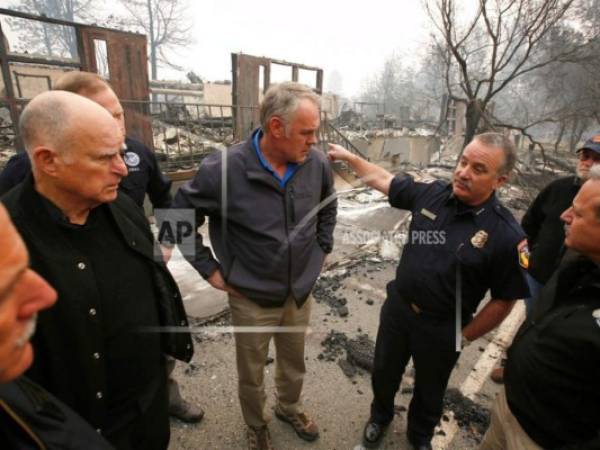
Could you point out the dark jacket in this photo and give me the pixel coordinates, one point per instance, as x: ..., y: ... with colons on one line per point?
x: 144, y: 176
x: 545, y: 231
x: 68, y: 335
x: 270, y: 241
x: 33, y: 419
x: 552, y: 373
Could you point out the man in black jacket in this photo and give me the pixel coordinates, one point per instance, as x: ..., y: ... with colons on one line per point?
x: 541, y: 222
x: 143, y: 177
x: 544, y: 229
x: 95, y: 350
x: 552, y: 395
x: 272, y: 212
x: 30, y: 417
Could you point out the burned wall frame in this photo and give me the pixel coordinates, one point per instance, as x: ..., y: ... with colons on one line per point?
x: 127, y: 63
x: 247, y: 90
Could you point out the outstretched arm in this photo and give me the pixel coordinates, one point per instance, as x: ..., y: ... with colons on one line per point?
x: 371, y: 174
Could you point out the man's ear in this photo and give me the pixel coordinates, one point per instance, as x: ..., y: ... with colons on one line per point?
x: 276, y: 127
x: 501, y: 180
x: 45, y: 160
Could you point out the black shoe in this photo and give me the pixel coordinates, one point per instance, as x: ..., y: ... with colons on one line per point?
x: 421, y: 446
x: 373, y: 434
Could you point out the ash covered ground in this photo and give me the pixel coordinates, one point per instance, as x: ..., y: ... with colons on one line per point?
x: 339, y: 350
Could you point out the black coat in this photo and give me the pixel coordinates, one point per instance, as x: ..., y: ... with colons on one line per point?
x: 68, y: 335
x: 545, y: 231
x: 31, y: 418
x: 552, y: 374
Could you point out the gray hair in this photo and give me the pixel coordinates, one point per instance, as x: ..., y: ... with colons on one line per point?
x: 594, y: 175
x: 282, y: 100
x: 498, y: 140
x: 595, y: 172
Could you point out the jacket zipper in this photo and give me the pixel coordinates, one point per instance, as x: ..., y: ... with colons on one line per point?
x: 23, y: 425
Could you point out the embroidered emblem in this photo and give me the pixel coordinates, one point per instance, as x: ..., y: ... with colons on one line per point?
x: 428, y: 214
x: 523, y: 249
x: 479, y: 239
x: 131, y: 159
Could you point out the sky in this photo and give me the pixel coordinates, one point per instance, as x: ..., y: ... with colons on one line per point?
x: 353, y: 39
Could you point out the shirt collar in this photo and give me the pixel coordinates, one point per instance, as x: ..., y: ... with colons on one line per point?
x: 291, y: 167
x: 58, y: 217
x: 475, y: 211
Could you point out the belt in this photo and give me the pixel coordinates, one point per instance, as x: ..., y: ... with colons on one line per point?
x: 432, y: 315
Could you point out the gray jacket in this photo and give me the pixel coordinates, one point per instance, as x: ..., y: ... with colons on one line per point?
x: 270, y: 242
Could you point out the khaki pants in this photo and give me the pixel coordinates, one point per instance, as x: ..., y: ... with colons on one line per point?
x: 505, y: 432
x: 252, y: 351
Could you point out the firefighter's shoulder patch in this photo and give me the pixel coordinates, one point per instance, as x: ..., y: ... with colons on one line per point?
x: 523, y: 250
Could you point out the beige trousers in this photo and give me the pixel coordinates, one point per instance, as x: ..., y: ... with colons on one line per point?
x: 252, y: 350
x: 505, y: 432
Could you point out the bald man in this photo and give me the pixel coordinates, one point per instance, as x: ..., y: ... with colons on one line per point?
x: 143, y: 177
x: 94, y: 350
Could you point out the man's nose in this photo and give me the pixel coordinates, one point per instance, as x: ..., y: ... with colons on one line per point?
x: 463, y: 172
x: 35, y: 293
x: 119, y: 167
x: 566, y: 216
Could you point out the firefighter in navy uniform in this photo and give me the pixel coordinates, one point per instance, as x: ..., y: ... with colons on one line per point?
x: 459, y: 231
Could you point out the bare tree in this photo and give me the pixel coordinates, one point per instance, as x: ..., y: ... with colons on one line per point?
x: 50, y: 39
x: 500, y: 43
x: 166, y: 24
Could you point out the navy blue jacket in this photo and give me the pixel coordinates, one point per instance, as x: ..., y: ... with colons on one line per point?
x: 270, y: 241
x: 144, y: 175
x: 32, y: 418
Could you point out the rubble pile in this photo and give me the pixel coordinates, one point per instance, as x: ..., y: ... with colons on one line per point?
x: 468, y: 414
x: 325, y: 291
x: 183, y: 147
x: 7, y: 137
x: 359, y: 352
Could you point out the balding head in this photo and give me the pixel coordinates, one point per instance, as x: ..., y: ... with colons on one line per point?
x: 53, y: 119
x: 74, y: 145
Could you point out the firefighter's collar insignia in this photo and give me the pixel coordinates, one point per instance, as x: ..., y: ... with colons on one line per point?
x: 479, y: 239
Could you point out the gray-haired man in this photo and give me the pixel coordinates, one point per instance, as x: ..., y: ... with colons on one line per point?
x: 272, y: 213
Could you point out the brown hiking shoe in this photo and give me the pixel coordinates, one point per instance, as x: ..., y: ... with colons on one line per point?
x: 259, y: 439
x: 303, y: 425
x: 497, y: 375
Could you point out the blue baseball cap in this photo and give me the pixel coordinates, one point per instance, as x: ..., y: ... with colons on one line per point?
x: 592, y: 144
